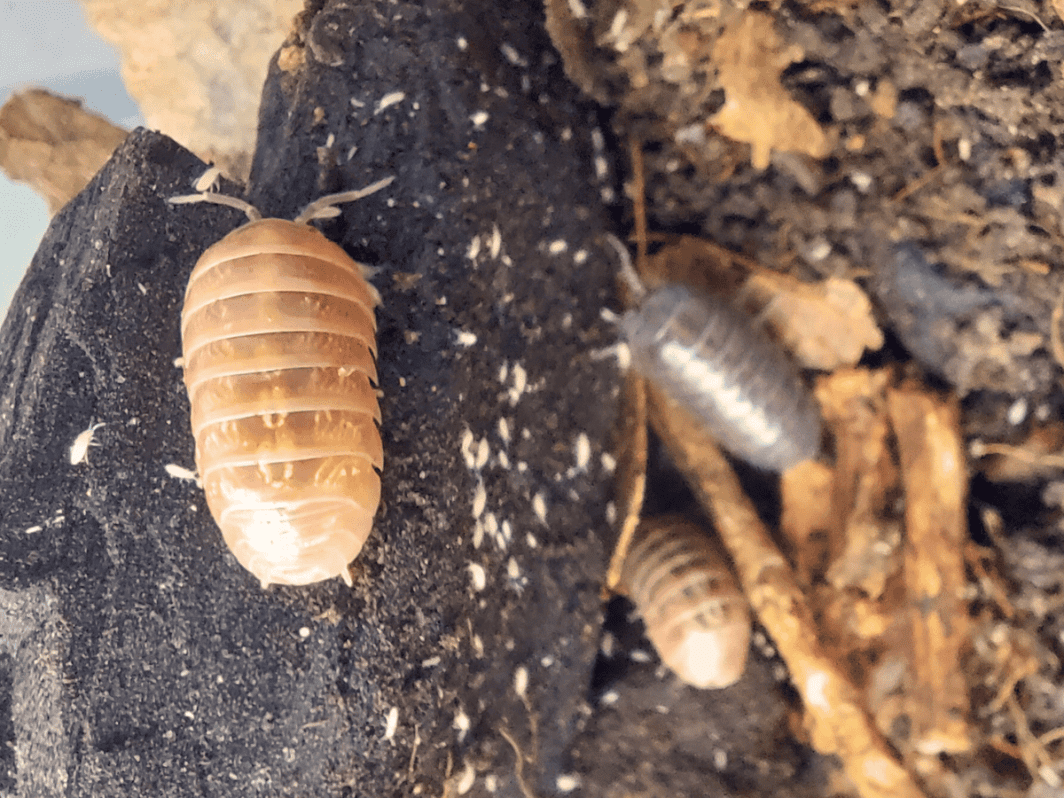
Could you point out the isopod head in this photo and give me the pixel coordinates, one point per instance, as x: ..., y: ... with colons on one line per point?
x: 695, y: 614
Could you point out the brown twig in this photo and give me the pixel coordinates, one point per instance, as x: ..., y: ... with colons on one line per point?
x: 519, y: 770
x: 836, y: 717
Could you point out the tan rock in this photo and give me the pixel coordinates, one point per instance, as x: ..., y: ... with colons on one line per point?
x: 196, y: 67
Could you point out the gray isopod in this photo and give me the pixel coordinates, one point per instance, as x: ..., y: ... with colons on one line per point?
x: 710, y: 358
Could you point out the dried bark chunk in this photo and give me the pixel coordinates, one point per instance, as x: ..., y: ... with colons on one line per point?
x: 53, y: 144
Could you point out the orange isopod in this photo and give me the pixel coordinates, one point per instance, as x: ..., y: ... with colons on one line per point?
x: 279, y: 339
x: 695, y: 613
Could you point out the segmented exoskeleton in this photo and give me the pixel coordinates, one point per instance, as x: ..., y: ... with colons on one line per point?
x: 279, y: 340
x: 695, y: 614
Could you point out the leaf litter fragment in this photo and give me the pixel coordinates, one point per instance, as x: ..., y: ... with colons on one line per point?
x: 757, y: 109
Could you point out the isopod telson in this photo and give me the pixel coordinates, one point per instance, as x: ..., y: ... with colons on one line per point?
x: 710, y: 358
x: 695, y: 614
x: 279, y: 345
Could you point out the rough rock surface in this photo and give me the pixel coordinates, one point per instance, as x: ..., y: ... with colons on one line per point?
x: 139, y: 658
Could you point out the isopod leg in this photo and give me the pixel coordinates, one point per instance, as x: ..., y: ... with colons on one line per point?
x: 345, y: 574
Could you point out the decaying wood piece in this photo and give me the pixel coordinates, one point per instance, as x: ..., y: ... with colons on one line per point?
x: 888, y: 585
x: 824, y: 325
x: 632, y: 440
x: 845, y: 532
x: 631, y: 476
x: 866, y: 533
x: 1036, y: 456
x: 837, y: 720
x: 53, y: 144
x: 935, y: 480
x: 806, y: 518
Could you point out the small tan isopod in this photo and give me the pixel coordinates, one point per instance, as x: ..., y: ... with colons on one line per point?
x: 279, y: 343
x: 695, y: 614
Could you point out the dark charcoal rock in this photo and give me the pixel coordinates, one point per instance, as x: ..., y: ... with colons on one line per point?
x: 651, y: 734
x: 147, y: 661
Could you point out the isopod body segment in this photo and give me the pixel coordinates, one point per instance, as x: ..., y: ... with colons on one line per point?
x: 695, y: 613
x: 710, y: 358
x: 279, y: 340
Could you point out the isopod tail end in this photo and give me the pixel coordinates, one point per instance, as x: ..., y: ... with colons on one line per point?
x: 715, y: 658
x: 345, y: 574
